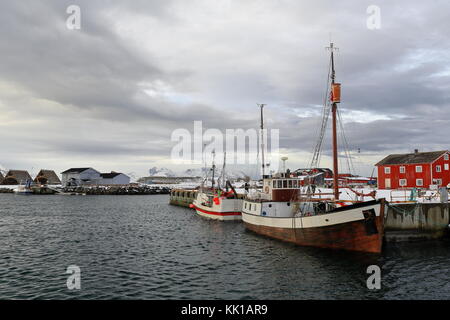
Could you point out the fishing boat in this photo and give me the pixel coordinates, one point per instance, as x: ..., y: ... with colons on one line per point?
x: 24, y: 189
x: 282, y: 212
x: 218, y: 202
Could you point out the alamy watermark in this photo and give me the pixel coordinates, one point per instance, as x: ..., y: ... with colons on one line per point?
x: 373, y: 21
x: 74, y: 280
x: 374, y: 280
x: 73, y: 22
x: 241, y: 146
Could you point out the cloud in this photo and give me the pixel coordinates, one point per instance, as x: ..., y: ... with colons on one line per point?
x: 112, y: 92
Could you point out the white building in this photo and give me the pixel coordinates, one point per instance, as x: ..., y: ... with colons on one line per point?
x: 114, y: 178
x: 90, y: 176
x: 80, y: 176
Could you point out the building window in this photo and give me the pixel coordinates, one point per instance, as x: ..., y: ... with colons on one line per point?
x: 419, y: 182
x: 418, y: 168
x: 446, y: 156
x: 437, y: 181
x: 387, y: 170
x: 402, y: 169
x: 402, y: 182
x: 446, y: 166
x: 438, y: 168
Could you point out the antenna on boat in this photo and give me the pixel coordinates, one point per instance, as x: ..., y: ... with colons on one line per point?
x: 335, y: 99
x: 261, y: 106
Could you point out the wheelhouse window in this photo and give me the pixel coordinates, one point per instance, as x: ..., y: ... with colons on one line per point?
x: 290, y: 184
x: 274, y: 184
x: 295, y: 184
x: 280, y: 184
x: 285, y: 184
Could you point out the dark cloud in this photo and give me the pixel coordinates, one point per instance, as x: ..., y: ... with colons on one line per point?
x: 138, y: 70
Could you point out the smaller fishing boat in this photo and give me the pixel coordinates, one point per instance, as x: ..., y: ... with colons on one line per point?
x: 218, y: 203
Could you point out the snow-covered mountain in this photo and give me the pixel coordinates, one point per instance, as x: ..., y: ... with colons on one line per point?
x: 133, y: 176
x: 3, y: 170
x: 195, y: 172
x: 161, y: 172
x: 200, y: 172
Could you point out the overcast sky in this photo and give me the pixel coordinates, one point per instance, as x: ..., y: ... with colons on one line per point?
x: 110, y: 94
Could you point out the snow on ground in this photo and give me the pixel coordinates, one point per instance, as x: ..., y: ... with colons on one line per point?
x: 430, y: 196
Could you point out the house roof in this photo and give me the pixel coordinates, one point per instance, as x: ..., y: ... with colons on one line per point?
x: 110, y: 175
x: 411, y: 158
x: 75, y: 170
x: 49, y: 175
x: 19, y: 175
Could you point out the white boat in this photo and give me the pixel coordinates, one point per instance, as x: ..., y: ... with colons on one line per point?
x: 218, y: 203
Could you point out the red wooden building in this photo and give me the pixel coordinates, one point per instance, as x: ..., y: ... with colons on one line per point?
x: 414, y: 170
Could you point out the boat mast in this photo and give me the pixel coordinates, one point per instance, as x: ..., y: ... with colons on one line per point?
x: 213, y: 169
x: 223, y: 182
x: 262, y: 139
x: 334, y: 100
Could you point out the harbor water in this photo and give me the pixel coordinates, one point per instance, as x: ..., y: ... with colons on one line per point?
x: 140, y: 247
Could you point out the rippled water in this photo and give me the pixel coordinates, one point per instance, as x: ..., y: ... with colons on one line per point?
x: 139, y: 247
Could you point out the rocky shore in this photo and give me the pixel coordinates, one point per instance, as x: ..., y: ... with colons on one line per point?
x: 117, y: 190
x: 98, y: 190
